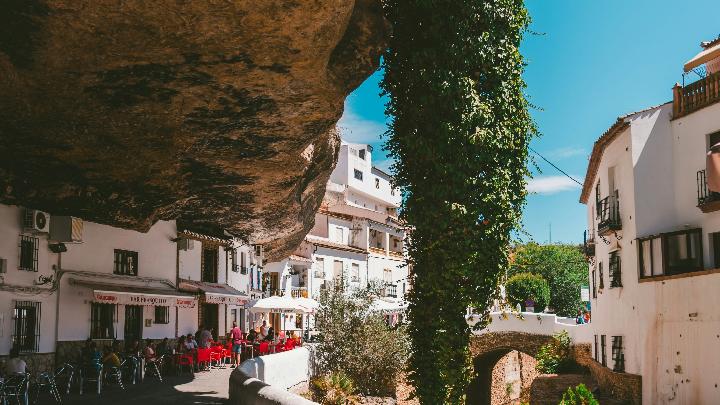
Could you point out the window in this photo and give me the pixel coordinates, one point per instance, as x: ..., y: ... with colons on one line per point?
x: 162, y: 315
x: 377, y: 184
x: 358, y: 174
x: 233, y: 318
x: 671, y: 253
x: 102, y: 320
x: 355, y: 272
x: 361, y: 154
x: 26, y: 331
x: 209, y: 264
x: 618, y: 354
x: 602, y: 350
x: 595, y: 354
x: 594, y: 283
x: 615, y: 270
x: 337, y: 269
x: 339, y: 237
x: 29, y: 253
x: 601, y: 281
x: 126, y: 262
x: 715, y: 240
x: 387, y: 275
x: 243, y: 263
x: 233, y: 258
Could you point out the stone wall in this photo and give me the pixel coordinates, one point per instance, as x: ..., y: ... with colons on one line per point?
x: 622, y: 386
x: 69, y: 350
x: 36, y: 362
x: 511, y: 378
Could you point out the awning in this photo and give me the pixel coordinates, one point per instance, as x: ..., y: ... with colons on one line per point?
x: 215, y: 293
x: 283, y: 304
x: 703, y: 57
x: 388, y: 307
x: 136, y: 292
x: 299, y: 259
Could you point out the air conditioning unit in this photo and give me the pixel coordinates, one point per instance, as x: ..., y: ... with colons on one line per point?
x: 3, y: 265
x: 36, y: 221
x: 66, y: 229
x: 319, y: 274
x: 186, y: 244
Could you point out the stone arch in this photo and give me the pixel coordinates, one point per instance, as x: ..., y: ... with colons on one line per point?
x: 487, y: 349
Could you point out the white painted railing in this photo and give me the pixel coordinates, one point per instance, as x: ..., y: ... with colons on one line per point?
x: 537, y: 323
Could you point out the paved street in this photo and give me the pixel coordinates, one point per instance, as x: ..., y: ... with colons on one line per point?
x: 207, y: 388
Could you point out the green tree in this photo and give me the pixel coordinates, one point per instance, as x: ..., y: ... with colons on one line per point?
x: 459, y: 133
x: 563, y: 266
x: 522, y: 286
x: 356, y: 342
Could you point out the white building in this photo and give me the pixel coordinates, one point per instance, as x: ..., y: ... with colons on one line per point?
x: 357, y: 238
x: 655, y: 246
x: 65, y: 280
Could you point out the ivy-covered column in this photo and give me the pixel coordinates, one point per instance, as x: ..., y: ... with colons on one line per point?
x: 459, y: 135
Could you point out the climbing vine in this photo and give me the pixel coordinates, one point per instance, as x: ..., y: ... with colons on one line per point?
x: 459, y: 134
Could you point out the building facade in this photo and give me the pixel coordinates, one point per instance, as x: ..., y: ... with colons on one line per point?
x: 654, y: 246
x: 64, y: 280
x: 357, y: 239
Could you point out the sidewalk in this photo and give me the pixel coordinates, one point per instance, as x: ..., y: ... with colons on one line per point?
x: 207, y: 388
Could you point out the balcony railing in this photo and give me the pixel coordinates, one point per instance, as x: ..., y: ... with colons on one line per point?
x: 707, y: 201
x: 608, y: 214
x: 391, y: 290
x: 299, y: 292
x: 696, y: 95
x: 589, y: 242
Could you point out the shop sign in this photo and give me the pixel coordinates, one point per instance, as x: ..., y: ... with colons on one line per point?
x: 225, y: 299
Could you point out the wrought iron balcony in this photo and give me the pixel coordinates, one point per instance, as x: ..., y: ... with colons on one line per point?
x: 608, y: 215
x: 391, y: 290
x: 707, y: 201
x: 589, y: 242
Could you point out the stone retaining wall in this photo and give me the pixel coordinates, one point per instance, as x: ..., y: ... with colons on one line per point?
x: 621, y: 386
x: 36, y: 362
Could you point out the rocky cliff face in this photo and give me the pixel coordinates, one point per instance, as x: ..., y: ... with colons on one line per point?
x: 220, y: 113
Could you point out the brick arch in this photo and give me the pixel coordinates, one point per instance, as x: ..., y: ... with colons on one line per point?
x: 487, y: 349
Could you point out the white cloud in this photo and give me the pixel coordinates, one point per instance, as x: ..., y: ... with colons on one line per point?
x: 565, y: 152
x: 551, y: 184
x: 356, y: 129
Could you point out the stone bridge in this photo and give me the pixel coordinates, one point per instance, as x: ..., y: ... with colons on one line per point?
x: 526, y: 333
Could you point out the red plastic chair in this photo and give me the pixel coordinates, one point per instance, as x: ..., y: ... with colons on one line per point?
x: 185, y: 360
x: 203, y: 357
x: 216, y: 355
x: 264, y: 348
x: 289, y: 344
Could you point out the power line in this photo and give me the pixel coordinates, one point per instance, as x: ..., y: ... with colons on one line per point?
x: 553, y: 165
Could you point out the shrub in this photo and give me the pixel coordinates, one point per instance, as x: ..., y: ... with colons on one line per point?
x: 334, y: 389
x: 579, y: 395
x: 355, y: 341
x: 522, y: 286
x: 555, y: 357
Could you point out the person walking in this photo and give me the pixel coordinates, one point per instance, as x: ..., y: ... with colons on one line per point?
x: 236, y: 339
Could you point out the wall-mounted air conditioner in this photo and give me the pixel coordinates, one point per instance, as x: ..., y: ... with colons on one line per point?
x: 36, y: 221
x: 186, y: 244
x: 66, y: 229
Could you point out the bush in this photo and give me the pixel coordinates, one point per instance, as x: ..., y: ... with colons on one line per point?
x: 334, y: 389
x: 356, y: 341
x: 555, y: 357
x: 522, y: 286
x: 579, y: 395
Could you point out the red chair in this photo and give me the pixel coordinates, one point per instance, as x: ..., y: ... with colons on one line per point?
x: 289, y: 344
x: 185, y: 360
x: 216, y: 355
x: 264, y: 348
x: 203, y: 357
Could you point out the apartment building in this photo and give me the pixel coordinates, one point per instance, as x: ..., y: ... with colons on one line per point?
x: 653, y: 212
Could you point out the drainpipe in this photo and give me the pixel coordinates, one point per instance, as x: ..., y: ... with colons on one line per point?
x: 58, y: 272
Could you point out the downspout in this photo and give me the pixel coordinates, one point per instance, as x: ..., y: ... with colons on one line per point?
x: 58, y: 272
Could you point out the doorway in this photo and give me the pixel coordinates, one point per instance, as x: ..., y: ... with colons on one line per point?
x: 210, y: 318
x: 133, y: 323
x: 275, y: 322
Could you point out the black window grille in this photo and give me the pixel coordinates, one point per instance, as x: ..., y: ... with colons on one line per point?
x: 29, y: 253
x: 26, y: 331
x: 243, y: 263
x: 210, y: 264
x: 618, y: 354
x: 233, y: 257
x: 601, y: 278
x: 358, y: 174
x: 603, y: 352
x: 361, y: 154
x: 126, y: 262
x: 594, y: 283
x: 614, y: 268
x: 377, y: 184
x: 102, y: 320
x: 162, y: 314
x: 596, y: 348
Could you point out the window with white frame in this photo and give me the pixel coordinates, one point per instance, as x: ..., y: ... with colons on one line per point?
x: 355, y: 272
x: 162, y: 315
x: 671, y: 253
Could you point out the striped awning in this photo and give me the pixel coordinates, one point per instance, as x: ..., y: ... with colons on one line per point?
x: 708, y: 54
x: 138, y: 293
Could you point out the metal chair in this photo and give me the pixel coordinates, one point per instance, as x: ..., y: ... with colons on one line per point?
x: 16, y: 386
x: 153, y: 367
x: 91, y: 373
x: 115, y: 374
x: 48, y: 381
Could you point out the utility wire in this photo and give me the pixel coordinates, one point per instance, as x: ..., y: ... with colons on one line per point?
x: 553, y: 165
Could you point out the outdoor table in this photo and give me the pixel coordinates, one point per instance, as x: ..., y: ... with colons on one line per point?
x: 252, y: 348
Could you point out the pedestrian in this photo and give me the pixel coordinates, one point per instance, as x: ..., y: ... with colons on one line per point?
x: 15, y: 365
x: 263, y: 331
x: 205, y: 338
x: 236, y: 339
x: 579, y: 319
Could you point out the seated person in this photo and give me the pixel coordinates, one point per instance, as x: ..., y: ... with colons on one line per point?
x: 252, y: 336
x: 110, y: 358
x: 270, y: 334
x: 180, y: 346
x: 149, y: 351
x: 15, y: 365
x: 190, y: 343
x: 163, y: 347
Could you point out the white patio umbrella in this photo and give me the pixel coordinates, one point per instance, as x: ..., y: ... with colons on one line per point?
x: 276, y: 303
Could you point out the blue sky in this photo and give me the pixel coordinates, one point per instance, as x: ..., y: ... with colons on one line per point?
x: 588, y: 63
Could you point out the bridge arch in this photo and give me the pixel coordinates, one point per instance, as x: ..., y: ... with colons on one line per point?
x: 488, y: 348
